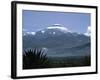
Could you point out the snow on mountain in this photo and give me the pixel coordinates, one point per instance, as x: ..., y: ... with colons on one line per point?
x: 29, y: 33
x: 88, y: 32
x: 57, y: 40
x: 42, y: 31
x: 55, y: 29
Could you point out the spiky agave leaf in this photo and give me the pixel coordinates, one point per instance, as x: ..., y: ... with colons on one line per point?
x: 34, y: 58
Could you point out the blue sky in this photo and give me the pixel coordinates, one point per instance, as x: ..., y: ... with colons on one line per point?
x: 36, y: 20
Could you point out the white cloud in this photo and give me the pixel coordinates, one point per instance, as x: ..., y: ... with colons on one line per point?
x: 58, y: 26
x: 88, y: 32
x: 62, y: 28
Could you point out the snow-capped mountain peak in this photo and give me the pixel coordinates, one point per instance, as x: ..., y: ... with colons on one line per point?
x: 53, y: 30
x: 58, y: 27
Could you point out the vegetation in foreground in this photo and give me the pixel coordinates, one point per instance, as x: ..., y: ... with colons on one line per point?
x: 34, y: 59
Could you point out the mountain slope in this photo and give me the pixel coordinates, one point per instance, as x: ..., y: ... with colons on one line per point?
x: 58, y: 41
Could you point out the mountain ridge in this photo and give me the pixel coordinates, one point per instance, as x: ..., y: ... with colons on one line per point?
x: 58, y: 42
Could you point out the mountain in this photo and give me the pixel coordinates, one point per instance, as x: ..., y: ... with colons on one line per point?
x: 82, y: 50
x: 58, y: 41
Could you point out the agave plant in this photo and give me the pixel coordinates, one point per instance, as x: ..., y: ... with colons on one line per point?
x: 35, y: 58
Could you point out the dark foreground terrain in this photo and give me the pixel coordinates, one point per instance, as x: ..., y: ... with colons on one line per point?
x: 42, y: 61
x: 70, y: 61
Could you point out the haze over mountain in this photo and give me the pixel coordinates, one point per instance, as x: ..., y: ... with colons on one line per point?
x: 58, y: 41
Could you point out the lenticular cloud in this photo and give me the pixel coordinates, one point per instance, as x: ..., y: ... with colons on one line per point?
x: 58, y: 26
